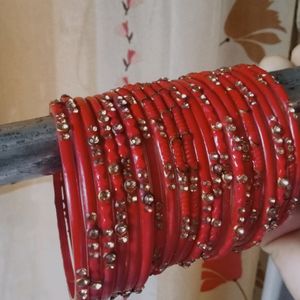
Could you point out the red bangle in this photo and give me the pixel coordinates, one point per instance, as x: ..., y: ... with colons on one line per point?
x: 152, y: 150
x: 242, y: 144
x: 163, y: 87
x: 145, y: 193
x: 181, y: 172
x: 209, y: 124
x: 218, y: 162
x: 186, y: 95
x: 240, y: 173
x: 131, y: 187
x: 162, y: 260
x: 220, y: 167
x: 283, y: 186
x: 106, y: 192
x: 85, y: 140
x: 294, y: 127
x: 284, y: 146
x: 166, y: 172
x: 117, y: 154
x: 77, y: 228
x: 250, y: 109
x: 166, y: 241
x: 182, y: 151
x: 269, y: 181
x: 257, y: 154
x: 64, y: 235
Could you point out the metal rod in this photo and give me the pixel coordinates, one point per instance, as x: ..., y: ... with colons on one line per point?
x: 28, y: 149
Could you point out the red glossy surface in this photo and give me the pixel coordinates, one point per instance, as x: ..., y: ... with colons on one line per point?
x: 168, y: 172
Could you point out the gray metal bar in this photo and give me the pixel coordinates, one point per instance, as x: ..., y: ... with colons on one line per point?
x: 28, y: 149
x: 290, y: 79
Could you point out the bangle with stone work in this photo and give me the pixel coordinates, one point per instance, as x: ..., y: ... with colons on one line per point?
x: 277, y: 131
x: 241, y: 144
x: 161, y: 171
x: 192, y: 226
x: 183, y: 106
x: 100, y: 217
x: 256, y: 153
x: 181, y: 151
x: 218, y: 222
x: 240, y: 176
x: 120, y: 172
x: 171, y: 133
x: 219, y: 166
x: 79, y: 278
x: 94, y: 135
x: 112, y: 250
x: 269, y: 178
x: 294, y: 127
x: 143, y: 108
x: 284, y: 145
x: 145, y: 195
x: 82, y: 143
x: 212, y: 204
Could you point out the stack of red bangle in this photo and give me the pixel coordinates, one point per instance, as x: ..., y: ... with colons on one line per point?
x: 168, y: 172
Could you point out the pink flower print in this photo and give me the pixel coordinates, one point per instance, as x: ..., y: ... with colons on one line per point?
x: 125, y: 31
x: 128, y: 4
x: 131, y: 55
